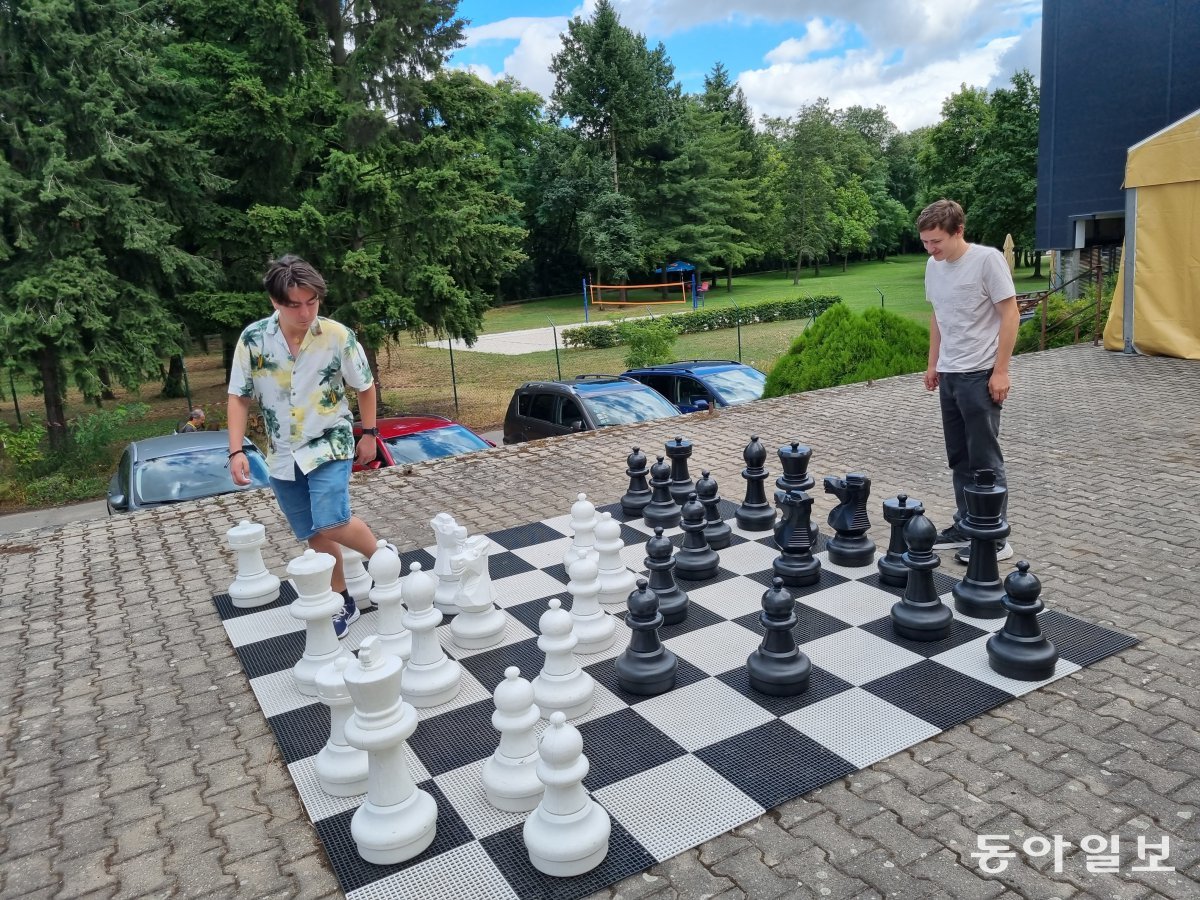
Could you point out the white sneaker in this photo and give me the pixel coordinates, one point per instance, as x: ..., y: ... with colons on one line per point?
x: 1003, y: 551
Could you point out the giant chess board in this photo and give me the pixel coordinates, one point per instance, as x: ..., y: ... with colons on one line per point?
x: 673, y: 770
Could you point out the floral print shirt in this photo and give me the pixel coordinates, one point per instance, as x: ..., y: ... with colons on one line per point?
x: 303, y: 399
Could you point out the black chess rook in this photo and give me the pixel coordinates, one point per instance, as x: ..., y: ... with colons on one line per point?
x: 897, y: 512
x: 679, y: 451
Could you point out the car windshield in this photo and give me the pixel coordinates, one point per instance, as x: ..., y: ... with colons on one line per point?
x: 623, y: 407
x: 186, y: 476
x: 737, y: 385
x: 434, y: 444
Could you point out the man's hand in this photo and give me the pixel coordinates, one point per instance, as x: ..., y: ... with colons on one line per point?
x: 998, y: 386
x: 364, y: 451
x: 239, y: 468
x: 931, y: 379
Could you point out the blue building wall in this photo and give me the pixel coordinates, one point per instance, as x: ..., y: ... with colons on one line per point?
x: 1113, y: 72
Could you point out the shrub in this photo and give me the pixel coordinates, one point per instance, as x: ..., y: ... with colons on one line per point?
x: 92, y: 435
x: 649, y: 342
x: 842, y: 348
x: 23, y: 447
x: 1064, y: 318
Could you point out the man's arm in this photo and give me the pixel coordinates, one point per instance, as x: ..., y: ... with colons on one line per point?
x: 1010, y: 320
x: 238, y: 412
x: 935, y: 347
x: 365, y: 451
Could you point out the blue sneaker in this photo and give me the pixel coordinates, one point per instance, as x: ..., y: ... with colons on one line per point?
x: 347, y: 617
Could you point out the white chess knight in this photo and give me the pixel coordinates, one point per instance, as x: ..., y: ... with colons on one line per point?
x: 479, y: 623
x: 595, y: 629
x: 509, y: 775
x: 568, y: 833
x: 430, y: 678
x: 254, y: 585
x: 387, y: 594
x: 583, y: 528
x: 316, y: 604
x: 562, y: 684
x: 449, y: 538
x: 617, y: 581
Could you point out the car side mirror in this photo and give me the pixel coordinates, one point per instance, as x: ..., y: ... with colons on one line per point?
x: 118, y: 501
x: 700, y: 404
x: 577, y: 425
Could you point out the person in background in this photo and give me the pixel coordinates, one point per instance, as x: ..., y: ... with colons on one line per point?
x: 194, y: 422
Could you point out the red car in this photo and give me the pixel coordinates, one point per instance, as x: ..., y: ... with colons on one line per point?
x: 410, y: 439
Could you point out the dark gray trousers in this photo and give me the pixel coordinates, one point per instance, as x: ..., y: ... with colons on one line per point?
x: 971, y: 426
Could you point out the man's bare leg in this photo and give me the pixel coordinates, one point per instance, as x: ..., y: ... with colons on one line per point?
x: 355, y: 534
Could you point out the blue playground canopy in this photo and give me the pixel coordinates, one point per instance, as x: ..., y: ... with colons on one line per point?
x: 677, y: 266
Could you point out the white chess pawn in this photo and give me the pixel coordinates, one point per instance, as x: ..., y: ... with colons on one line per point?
x: 430, y: 677
x: 387, y: 594
x: 316, y: 604
x: 562, y: 684
x: 568, y: 833
x: 478, y: 624
x: 446, y: 530
x: 253, y: 586
x: 583, y: 527
x: 594, y: 628
x: 398, y: 820
x: 341, y: 769
x: 509, y: 775
x: 617, y: 581
x: 358, y: 582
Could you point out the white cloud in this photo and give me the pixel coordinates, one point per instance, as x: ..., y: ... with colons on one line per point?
x: 819, y: 35
x: 538, y: 39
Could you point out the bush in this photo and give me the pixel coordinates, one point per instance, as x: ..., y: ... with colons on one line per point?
x: 92, y: 435
x: 843, y: 348
x: 23, y: 447
x: 1066, y: 317
x: 649, y: 342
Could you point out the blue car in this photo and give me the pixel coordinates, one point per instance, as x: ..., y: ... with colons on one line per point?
x: 696, y: 384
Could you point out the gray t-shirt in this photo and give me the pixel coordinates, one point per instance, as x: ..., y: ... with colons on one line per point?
x: 964, y: 294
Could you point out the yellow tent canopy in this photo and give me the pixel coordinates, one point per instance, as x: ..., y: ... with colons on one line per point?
x: 1156, y: 305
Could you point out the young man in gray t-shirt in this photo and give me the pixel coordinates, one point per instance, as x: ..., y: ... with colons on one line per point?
x: 971, y: 336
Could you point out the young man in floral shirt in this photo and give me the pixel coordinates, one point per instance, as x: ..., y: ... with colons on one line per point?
x: 297, y: 365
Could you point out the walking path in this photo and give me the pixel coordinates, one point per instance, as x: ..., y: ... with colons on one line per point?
x: 137, y: 763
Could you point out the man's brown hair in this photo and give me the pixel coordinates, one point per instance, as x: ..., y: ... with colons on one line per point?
x: 944, y: 214
x: 288, y: 272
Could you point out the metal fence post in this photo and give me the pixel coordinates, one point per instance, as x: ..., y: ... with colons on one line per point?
x: 554, y: 333
x: 737, y: 318
x: 453, y: 376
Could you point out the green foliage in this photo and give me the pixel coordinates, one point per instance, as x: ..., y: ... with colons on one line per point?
x: 23, y: 446
x: 92, y: 435
x: 1067, y: 321
x: 595, y: 337
x: 843, y: 348
x: 650, y: 341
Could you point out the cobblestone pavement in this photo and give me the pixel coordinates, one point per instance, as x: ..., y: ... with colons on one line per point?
x: 136, y: 761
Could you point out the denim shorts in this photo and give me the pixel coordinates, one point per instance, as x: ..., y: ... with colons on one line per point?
x: 317, y: 501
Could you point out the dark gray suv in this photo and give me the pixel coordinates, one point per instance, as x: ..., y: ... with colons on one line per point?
x: 541, y: 409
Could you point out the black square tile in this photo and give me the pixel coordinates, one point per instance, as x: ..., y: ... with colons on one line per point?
x: 558, y: 572
x: 226, y: 609
x: 605, y: 673
x: 937, y: 694
x: 272, y: 654
x: 423, y: 557
x: 697, y: 617
x: 821, y: 686
x: 301, y: 732
x: 689, y: 585
x: 960, y: 633
x: 353, y: 871
x: 942, y: 583
x: 826, y: 580
x: 774, y: 763
x: 456, y: 738
x: 811, y: 624
x: 503, y: 565
x: 525, y: 536
x: 630, y: 745
x: 489, y: 665
x: 1082, y: 642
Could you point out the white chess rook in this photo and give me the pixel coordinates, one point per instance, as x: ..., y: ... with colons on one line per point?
x: 358, y: 582
x: 479, y: 624
x: 617, y: 581
x: 509, y: 775
x: 430, y: 678
x: 568, y: 833
x: 253, y: 586
x: 594, y: 628
x: 561, y: 685
x: 341, y: 769
x: 583, y: 528
x: 398, y: 820
x: 315, y: 604
x: 449, y: 538
x: 387, y: 594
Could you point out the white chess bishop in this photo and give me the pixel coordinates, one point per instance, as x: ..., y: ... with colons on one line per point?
x: 509, y: 775
x: 617, y: 581
x: 478, y: 624
x: 561, y: 685
x: 316, y: 604
x: 595, y: 629
x: 568, y: 833
x: 387, y: 595
x: 430, y: 678
x: 254, y: 585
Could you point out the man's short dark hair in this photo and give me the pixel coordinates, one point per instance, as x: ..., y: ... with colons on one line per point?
x: 288, y: 272
x: 944, y: 214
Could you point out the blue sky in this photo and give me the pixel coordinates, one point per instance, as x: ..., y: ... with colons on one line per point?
x: 905, y: 55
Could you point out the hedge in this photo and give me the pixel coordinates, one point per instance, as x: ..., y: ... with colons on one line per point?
x: 600, y: 337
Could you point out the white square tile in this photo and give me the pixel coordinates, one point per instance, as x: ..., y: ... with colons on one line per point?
x: 730, y: 598
x: 848, y: 571
x: 276, y: 693
x: 716, y: 648
x: 702, y: 713
x: 547, y: 553
x: 971, y: 659
x: 467, y: 866
x: 261, y: 626
x: 748, y: 557
x: 858, y: 656
x: 464, y: 789
x: 535, y: 585
x: 860, y: 727
x: 852, y: 602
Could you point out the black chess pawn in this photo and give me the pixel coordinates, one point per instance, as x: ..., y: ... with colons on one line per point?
x: 981, y: 592
x: 695, y: 560
x: 921, y: 615
x: 1019, y: 649
x: 662, y: 510
x: 850, y: 546
x: 755, y: 513
x: 646, y: 667
x: 660, y: 562
x: 897, y: 512
x: 716, y: 530
x: 638, y: 495
x: 795, y: 564
x: 679, y: 451
x: 778, y: 667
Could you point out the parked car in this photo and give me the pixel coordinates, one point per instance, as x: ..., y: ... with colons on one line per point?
x: 694, y: 384
x: 179, y: 467
x: 410, y: 439
x: 541, y: 409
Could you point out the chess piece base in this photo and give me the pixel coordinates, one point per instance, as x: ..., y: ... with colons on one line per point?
x: 342, y: 771
x: 568, y: 845
x: 922, y: 621
x: 892, y: 572
x: 512, y: 785
x: 386, y: 835
x: 1025, y: 659
x: 797, y: 573
x: 779, y: 677
x: 850, y: 552
x: 424, y: 687
x: 647, y: 675
x: 477, y: 632
x: 980, y: 601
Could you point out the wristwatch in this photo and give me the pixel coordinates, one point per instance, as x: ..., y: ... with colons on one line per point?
x: 374, y: 432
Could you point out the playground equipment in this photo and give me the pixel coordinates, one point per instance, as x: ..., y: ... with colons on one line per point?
x: 685, y: 291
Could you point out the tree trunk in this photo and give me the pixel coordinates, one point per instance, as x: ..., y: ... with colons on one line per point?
x: 729, y: 279
x: 845, y: 261
x: 106, y: 391
x: 816, y: 263
x: 612, y: 144
x: 799, y: 266
x: 372, y: 355
x: 52, y: 391
x: 229, y: 341
x: 1037, y: 264
x: 173, y: 383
